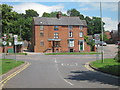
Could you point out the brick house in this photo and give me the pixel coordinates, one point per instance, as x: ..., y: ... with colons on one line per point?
x: 59, y: 34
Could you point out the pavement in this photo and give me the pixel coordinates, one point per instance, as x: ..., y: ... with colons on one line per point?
x: 61, y: 71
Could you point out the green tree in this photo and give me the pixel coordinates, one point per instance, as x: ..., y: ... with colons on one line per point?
x: 46, y: 14
x: 31, y: 13
x: 73, y: 12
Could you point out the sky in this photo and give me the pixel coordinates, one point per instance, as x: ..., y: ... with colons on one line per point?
x: 87, y: 8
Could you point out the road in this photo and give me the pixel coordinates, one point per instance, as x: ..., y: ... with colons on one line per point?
x: 61, y: 71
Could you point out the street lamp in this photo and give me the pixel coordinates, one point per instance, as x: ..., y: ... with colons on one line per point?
x: 102, y: 34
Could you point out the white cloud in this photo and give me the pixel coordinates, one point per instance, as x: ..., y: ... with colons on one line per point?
x: 113, y: 6
x: 37, y: 7
x: 62, y: 1
x: 110, y: 24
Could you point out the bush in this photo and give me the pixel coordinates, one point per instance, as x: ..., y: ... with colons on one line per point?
x: 117, y: 57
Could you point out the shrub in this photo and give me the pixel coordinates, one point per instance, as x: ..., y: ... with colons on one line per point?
x: 117, y: 57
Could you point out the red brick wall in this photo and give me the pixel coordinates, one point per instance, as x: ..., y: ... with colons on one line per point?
x: 63, y: 35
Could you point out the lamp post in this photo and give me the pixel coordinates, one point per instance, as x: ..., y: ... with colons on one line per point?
x: 102, y: 56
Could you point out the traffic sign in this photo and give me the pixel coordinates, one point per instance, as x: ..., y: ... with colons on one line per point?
x: 97, y: 38
x: 4, y: 43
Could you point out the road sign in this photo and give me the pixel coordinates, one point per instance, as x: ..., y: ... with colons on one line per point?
x: 97, y: 38
x: 15, y: 39
x: 4, y: 43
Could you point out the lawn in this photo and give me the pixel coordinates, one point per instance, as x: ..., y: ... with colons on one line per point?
x: 109, y: 66
x: 73, y: 53
x: 8, y: 64
x: 18, y: 53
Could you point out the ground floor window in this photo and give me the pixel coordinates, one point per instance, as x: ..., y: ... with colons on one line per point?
x: 41, y: 43
x: 71, y: 43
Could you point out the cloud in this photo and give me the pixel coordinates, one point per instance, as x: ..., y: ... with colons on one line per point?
x: 61, y: 1
x: 20, y: 8
x: 113, y: 6
x: 110, y: 24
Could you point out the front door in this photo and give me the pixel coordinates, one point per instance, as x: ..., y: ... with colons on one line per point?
x: 81, y: 46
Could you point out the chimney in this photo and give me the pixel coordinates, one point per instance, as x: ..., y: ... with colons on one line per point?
x: 59, y: 15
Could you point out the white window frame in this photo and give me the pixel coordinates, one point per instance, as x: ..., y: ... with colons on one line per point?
x: 41, y: 27
x: 56, y: 35
x: 71, y: 43
x: 70, y: 34
x: 81, y: 34
x: 81, y: 27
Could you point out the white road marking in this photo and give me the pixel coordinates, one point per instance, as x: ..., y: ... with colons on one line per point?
x: 60, y: 75
x: 62, y: 64
x: 55, y: 60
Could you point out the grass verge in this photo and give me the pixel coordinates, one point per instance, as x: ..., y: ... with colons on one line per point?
x: 109, y: 66
x: 8, y: 64
x: 73, y: 53
x: 18, y: 53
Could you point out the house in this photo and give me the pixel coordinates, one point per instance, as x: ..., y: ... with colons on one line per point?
x: 59, y: 34
x: 119, y: 31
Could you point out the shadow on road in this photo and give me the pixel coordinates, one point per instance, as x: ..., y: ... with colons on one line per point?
x: 93, y: 77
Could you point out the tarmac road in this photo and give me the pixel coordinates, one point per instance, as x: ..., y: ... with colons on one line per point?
x: 61, y: 71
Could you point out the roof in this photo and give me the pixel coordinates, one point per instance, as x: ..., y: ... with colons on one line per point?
x: 61, y: 21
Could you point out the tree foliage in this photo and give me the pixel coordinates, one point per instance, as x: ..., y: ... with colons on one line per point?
x: 52, y: 14
x: 17, y: 23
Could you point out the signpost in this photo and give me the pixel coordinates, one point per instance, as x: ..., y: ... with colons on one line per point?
x: 15, y: 43
x: 97, y: 40
x: 4, y: 43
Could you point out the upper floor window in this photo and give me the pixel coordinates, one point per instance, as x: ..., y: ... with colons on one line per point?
x: 70, y: 27
x: 56, y: 35
x: 81, y: 27
x: 81, y: 34
x: 70, y: 34
x: 55, y: 27
x: 41, y: 34
x: 41, y: 27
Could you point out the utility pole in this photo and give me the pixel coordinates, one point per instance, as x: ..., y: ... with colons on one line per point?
x: 20, y: 31
x: 102, y: 56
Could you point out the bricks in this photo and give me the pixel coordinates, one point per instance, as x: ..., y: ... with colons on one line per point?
x: 63, y: 32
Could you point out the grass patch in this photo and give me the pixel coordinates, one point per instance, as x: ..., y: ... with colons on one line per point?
x: 18, y: 53
x: 109, y: 66
x: 73, y: 53
x: 8, y: 64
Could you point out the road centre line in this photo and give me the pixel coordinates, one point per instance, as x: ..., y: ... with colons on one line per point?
x: 61, y: 76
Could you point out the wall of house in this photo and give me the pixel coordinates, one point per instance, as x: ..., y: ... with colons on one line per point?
x: 63, y: 35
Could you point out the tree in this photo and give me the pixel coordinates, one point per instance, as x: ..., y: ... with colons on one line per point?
x: 73, y: 12
x: 31, y: 13
x: 46, y: 14
x: 52, y: 14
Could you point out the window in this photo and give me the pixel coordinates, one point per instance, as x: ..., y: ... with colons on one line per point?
x: 41, y: 34
x: 81, y: 27
x: 41, y: 43
x: 41, y: 27
x: 55, y: 35
x: 71, y: 43
x: 70, y: 27
x: 55, y: 28
x: 81, y: 34
x: 70, y: 34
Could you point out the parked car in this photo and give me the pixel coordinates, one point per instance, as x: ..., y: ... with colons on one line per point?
x: 102, y: 43
x: 117, y: 43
